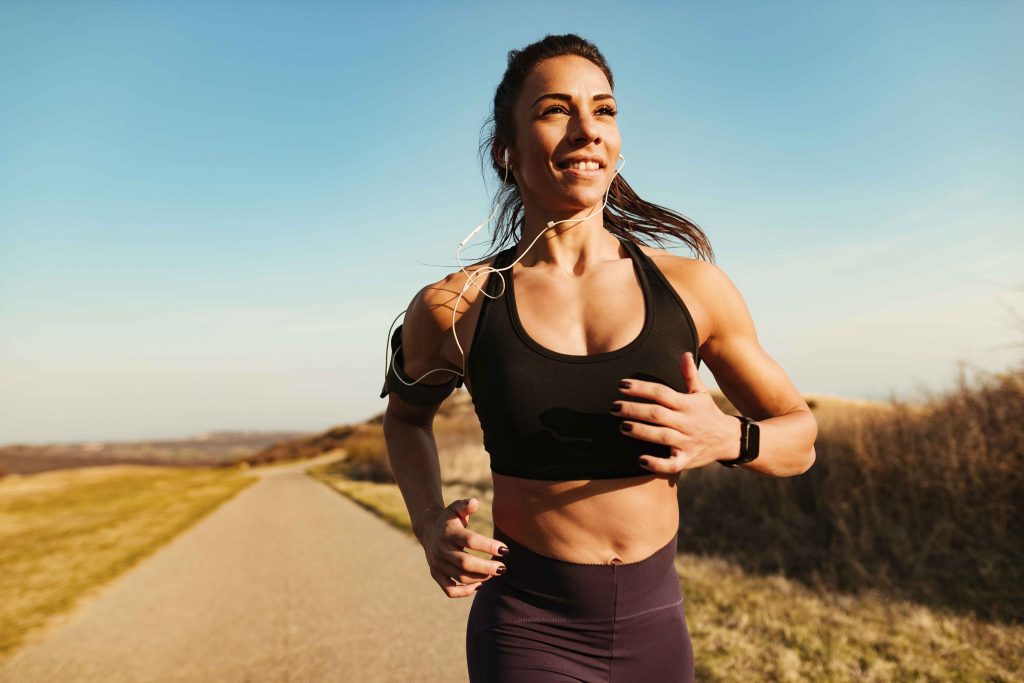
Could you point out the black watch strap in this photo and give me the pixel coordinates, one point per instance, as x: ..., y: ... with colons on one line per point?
x: 750, y: 442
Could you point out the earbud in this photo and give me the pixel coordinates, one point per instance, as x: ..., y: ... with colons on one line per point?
x: 506, y: 157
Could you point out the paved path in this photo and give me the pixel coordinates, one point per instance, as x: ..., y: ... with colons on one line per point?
x: 287, y: 581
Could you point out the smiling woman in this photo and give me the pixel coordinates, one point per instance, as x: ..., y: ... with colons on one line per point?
x: 584, y: 375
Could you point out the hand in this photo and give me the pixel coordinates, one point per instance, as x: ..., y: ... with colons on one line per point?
x: 445, y: 537
x: 694, y: 428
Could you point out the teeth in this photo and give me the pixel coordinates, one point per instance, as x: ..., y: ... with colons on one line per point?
x: 584, y: 165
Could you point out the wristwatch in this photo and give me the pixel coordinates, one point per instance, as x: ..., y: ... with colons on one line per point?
x: 750, y: 442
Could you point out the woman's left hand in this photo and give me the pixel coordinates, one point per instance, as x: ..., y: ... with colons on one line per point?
x: 693, y: 427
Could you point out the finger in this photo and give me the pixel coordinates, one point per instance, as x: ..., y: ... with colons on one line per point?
x: 691, y: 375
x: 463, y: 576
x: 477, y: 541
x: 465, y: 567
x: 472, y: 564
x: 649, y: 412
x: 656, y: 391
x: 452, y: 588
x: 660, y: 465
x: 460, y: 509
x: 465, y: 507
x: 673, y: 464
x: 652, y: 433
x: 450, y: 563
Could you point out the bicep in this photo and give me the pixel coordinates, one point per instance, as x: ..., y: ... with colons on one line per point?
x: 750, y: 378
x: 419, y: 379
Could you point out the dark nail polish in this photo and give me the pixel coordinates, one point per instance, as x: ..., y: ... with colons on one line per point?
x: 616, y: 407
x: 625, y: 384
x: 626, y: 427
x: 502, y: 550
x: 501, y: 569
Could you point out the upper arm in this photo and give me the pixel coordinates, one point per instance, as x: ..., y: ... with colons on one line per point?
x: 422, y: 344
x: 751, y: 379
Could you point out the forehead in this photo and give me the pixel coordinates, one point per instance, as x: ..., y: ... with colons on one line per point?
x: 569, y: 74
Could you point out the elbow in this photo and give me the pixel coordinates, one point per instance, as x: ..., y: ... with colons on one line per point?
x: 794, y: 466
x: 810, y: 454
x: 808, y: 461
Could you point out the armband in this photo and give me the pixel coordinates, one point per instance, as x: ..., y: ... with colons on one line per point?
x: 419, y: 393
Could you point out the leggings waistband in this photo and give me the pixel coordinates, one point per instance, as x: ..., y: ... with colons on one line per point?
x: 577, y: 591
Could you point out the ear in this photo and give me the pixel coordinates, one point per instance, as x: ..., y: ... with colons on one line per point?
x: 504, y: 158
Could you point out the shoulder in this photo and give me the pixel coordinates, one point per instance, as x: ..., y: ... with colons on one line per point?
x: 707, y: 288
x: 433, y: 306
x: 433, y: 311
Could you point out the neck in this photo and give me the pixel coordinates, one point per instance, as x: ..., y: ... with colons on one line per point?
x: 571, y: 246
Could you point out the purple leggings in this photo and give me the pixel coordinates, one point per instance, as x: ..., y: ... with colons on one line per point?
x: 547, y: 620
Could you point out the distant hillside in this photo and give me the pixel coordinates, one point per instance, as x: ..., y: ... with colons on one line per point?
x: 207, y: 449
x: 306, y: 446
x: 456, y: 426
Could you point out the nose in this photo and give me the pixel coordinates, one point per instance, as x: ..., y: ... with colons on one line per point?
x: 583, y: 129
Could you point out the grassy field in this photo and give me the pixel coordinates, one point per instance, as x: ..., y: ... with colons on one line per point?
x: 920, y: 501
x: 750, y: 627
x: 65, y: 533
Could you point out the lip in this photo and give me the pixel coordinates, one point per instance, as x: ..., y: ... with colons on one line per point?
x: 578, y: 172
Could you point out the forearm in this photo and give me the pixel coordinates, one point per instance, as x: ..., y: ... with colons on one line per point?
x: 786, y: 444
x: 412, y: 453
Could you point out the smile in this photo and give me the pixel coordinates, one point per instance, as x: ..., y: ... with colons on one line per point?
x: 583, y: 165
x: 584, y: 168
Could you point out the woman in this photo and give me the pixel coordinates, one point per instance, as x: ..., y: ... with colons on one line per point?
x: 580, y: 584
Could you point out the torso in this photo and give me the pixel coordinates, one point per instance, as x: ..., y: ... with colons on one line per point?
x: 595, y: 521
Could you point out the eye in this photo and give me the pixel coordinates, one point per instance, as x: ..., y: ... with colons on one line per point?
x: 552, y: 108
x: 611, y: 111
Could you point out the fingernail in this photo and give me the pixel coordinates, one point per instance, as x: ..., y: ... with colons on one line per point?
x: 502, y: 550
x: 500, y: 570
x: 625, y: 384
x: 626, y: 427
x: 616, y: 407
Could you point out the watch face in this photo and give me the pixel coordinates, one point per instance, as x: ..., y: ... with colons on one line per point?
x: 753, y: 439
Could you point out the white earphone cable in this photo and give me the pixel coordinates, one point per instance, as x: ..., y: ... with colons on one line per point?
x: 471, y: 279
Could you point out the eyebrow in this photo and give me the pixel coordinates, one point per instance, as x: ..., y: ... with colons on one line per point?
x: 568, y: 98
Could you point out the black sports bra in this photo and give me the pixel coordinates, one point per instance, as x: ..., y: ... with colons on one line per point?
x: 545, y: 414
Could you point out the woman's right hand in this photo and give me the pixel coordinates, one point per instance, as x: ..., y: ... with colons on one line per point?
x: 445, y: 537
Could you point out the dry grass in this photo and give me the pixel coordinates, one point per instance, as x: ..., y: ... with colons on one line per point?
x: 919, y: 500
x: 898, y: 556
x: 751, y: 627
x: 65, y: 533
x: 380, y: 497
x: 768, y: 628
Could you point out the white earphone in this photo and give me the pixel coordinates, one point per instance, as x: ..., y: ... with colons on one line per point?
x: 471, y: 279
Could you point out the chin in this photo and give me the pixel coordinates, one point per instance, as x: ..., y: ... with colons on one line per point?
x: 580, y: 201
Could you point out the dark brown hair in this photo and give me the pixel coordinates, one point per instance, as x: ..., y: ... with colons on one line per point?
x: 626, y: 213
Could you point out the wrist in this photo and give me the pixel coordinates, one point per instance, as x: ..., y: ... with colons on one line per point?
x: 423, y: 519
x: 749, y: 443
x: 732, y: 440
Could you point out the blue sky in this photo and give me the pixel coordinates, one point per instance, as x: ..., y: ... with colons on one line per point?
x: 210, y: 213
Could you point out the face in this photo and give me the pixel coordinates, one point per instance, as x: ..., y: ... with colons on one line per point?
x: 565, y: 110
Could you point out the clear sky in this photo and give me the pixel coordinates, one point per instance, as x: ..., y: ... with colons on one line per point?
x: 211, y: 212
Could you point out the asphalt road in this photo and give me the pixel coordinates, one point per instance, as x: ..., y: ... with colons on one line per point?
x: 287, y: 581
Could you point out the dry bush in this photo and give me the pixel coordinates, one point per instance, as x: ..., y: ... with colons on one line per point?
x: 366, y: 457
x: 918, y: 502
x: 460, y: 443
